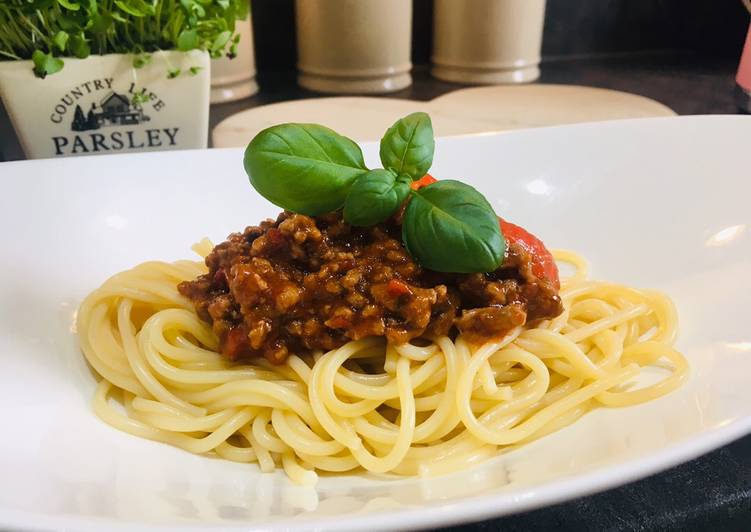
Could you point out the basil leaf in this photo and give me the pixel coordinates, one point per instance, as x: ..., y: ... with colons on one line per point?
x: 450, y: 227
x: 45, y: 64
x: 408, y: 145
x: 304, y: 168
x: 374, y: 197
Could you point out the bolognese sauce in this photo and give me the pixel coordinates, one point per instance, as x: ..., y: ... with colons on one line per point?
x: 300, y: 283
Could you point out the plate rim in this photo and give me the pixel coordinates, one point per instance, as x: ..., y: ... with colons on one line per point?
x: 471, y: 509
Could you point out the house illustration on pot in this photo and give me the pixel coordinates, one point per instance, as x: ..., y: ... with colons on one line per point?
x: 114, y: 110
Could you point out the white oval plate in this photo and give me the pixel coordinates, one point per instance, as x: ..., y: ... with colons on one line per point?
x: 654, y: 203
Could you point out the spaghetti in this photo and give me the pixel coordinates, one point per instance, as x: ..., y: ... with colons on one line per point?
x: 422, y: 408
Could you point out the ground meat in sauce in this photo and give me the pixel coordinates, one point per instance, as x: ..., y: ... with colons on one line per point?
x: 299, y: 284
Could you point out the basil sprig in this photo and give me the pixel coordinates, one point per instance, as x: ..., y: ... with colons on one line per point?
x: 407, y: 152
x: 307, y: 168
x: 304, y: 168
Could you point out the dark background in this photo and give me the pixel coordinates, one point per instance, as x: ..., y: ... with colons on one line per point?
x: 572, y: 28
x: 683, y: 53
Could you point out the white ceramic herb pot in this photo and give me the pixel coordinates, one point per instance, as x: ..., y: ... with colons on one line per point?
x: 487, y: 41
x: 234, y: 79
x: 102, y: 104
x: 354, y: 46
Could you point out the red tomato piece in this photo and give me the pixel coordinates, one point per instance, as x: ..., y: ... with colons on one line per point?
x: 235, y: 343
x: 397, y: 288
x: 543, y: 263
x: 424, y: 181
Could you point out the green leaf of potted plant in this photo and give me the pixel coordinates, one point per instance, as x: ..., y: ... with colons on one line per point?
x: 82, y: 77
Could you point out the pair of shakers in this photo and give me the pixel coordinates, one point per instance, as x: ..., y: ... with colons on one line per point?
x: 364, y: 46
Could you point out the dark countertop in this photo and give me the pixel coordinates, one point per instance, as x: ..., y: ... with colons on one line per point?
x: 685, y: 82
x: 712, y: 492
x: 688, y: 83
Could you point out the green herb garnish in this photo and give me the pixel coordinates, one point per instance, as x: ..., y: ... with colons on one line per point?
x: 375, y: 196
x: 448, y: 226
x: 408, y: 146
x: 304, y: 168
x: 452, y: 228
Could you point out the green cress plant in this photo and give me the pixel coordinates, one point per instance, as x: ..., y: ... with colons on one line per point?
x: 447, y: 226
x: 45, y: 30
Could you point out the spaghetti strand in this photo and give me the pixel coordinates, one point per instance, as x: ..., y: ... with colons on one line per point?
x: 422, y: 408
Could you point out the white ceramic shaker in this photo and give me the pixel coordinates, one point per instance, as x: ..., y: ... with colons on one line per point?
x: 487, y: 41
x: 354, y: 46
x: 234, y: 79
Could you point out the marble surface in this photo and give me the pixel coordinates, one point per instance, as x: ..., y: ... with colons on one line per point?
x: 688, y: 83
x: 465, y: 111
